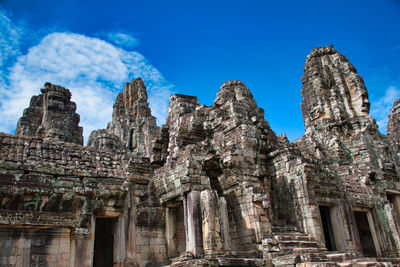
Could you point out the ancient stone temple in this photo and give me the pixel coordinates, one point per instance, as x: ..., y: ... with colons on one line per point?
x: 214, y: 186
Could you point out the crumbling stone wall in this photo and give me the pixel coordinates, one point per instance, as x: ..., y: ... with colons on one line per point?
x: 57, y: 186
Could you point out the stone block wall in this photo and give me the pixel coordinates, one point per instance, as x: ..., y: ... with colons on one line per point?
x: 51, y: 192
x: 34, y: 247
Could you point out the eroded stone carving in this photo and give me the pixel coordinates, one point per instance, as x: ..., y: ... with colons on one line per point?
x: 51, y: 115
x: 132, y: 128
x: 393, y: 127
x: 335, y: 92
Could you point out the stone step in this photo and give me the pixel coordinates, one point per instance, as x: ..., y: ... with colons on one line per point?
x: 343, y: 256
x: 394, y: 261
x: 365, y: 262
x: 245, y: 254
x: 223, y: 261
x: 371, y: 263
x: 344, y: 264
x: 317, y: 264
x: 283, y: 229
x: 305, y: 250
x: 293, y: 237
x: 238, y: 262
x: 295, y: 259
x: 286, y: 260
x: 296, y: 243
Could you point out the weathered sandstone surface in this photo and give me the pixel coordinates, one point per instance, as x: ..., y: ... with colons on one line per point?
x: 51, y: 115
x: 214, y: 186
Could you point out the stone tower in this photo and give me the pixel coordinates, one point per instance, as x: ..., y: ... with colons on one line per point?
x: 132, y: 128
x: 332, y: 89
x: 51, y: 115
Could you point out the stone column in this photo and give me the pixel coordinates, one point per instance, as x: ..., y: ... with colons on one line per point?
x: 26, y: 247
x: 353, y: 239
x: 212, y: 239
x: 119, y: 242
x: 82, y: 246
x: 170, y: 232
x: 130, y: 234
x: 396, y: 205
x: 338, y: 227
x: 374, y: 233
x: 223, y: 211
x: 194, y: 242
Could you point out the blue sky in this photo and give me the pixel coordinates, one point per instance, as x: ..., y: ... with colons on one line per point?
x: 191, y: 47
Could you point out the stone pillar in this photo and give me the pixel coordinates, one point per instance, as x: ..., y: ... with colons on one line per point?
x: 26, y: 247
x: 194, y: 242
x: 171, y: 232
x: 119, y: 242
x: 82, y: 246
x: 374, y: 233
x: 353, y: 239
x: 396, y: 205
x: 393, y: 221
x: 338, y: 227
x: 256, y: 216
x: 223, y: 211
x: 130, y: 234
x: 211, y: 223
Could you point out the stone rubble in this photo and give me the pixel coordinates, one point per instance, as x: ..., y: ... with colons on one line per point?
x: 214, y: 186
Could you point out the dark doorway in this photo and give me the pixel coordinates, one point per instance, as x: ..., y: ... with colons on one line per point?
x: 367, y: 243
x: 390, y: 198
x: 327, y: 227
x: 104, y: 242
x: 393, y: 199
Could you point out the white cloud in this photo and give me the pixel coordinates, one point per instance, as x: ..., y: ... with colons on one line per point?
x: 94, y: 70
x: 123, y: 40
x: 380, y: 109
x: 10, y: 38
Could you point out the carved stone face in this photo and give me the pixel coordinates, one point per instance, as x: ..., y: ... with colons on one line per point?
x: 365, y: 104
x: 360, y: 101
x: 332, y: 88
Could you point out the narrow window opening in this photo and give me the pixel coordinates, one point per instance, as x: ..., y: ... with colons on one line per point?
x: 390, y: 198
x: 327, y: 228
x: 130, y: 140
x: 104, y: 242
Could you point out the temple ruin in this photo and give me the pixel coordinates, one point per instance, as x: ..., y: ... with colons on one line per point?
x: 213, y: 186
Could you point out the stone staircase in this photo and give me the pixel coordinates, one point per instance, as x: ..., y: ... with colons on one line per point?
x: 291, y: 243
x: 291, y: 248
